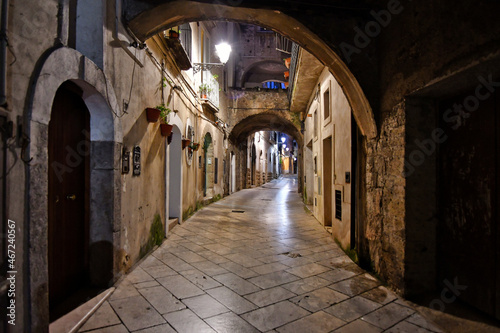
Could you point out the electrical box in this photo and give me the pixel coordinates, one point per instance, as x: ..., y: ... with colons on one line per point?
x: 137, y: 161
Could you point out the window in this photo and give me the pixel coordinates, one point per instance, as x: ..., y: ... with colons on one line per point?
x: 315, y: 123
x: 326, y: 104
x: 185, y: 37
x: 216, y: 168
x: 338, y: 205
x: 273, y: 85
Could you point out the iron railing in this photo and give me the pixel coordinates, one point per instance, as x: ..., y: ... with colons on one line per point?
x: 293, y: 69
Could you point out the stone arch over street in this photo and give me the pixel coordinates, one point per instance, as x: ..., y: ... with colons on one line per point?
x: 146, y: 20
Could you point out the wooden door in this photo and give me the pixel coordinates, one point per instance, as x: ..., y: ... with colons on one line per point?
x: 468, y: 202
x: 68, y: 229
x: 327, y: 181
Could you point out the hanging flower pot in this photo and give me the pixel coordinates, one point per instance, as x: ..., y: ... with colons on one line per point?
x: 288, y: 61
x: 185, y: 143
x: 152, y: 114
x: 194, y: 146
x: 166, y: 129
x: 172, y: 34
x: 287, y: 74
x: 169, y: 138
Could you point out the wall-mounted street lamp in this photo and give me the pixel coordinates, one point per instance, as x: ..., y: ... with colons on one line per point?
x: 223, y: 52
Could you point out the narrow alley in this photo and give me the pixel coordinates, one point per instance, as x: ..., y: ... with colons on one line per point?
x: 249, y: 165
x: 256, y: 261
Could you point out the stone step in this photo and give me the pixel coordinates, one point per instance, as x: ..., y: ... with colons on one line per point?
x: 172, y: 222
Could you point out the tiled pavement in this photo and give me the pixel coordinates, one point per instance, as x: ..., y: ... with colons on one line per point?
x: 272, y: 268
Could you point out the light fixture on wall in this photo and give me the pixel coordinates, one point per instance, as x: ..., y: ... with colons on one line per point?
x: 283, y: 139
x: 223, y: 52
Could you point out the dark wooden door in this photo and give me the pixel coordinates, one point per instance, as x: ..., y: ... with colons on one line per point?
x: 68, y: 227
x: 468, y: 202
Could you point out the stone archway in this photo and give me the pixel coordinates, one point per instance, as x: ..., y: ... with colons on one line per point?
x: 145, y: 20
x: 60, y: 66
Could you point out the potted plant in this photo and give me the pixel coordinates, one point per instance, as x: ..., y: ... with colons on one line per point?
x: 286, y: 85
x: 165, y: 127
x: 172, y: 34
x: 288, y: 61
x: 194, y: 146
x: 287, y: 74
x: 185, y: 143
x: 204, y: 90
x: 152, y: 114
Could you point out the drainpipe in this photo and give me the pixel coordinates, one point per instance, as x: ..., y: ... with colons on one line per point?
x: 3, y: 52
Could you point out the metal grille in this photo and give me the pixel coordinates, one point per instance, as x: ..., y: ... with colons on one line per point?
x: 283, y: 44
x: 293, y: 69
x: 338, y: 205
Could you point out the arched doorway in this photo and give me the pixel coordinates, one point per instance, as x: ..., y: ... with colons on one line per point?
x: 208, y: 166
x: 232, y: 178
x: 68, y: 206
x: 174, y: 185
x: 253, y: 163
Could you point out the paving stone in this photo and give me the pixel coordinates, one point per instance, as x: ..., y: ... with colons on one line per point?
x: 166, y: 328
x: 230, y: 323
x: 308, y: 270
x: 124, y: 290
x: 406, y: 327
x: 209, y: 268
x: 418, y: 320
x: 269, y: 268
x: 112, y: 329
x: 315, y: 323
x: 151, y: 261
x: 175, y: 263
x: 355, y: 285
x: 269, y: 296
x: 161, y: 299
x: 380, y: 295
x: 200, y: 279
x: 319, y: 299
x: 148, y: 284
x: 213, y: 257
x: 236, y: 283
x: 180, y: 287
x: 205, y: 306
x: 337, y: 274
x: 388, y: 315
x: 273, y: 279
x: 358, y: 326
x: 238, y: 269
x: 160, y: 271
x: 244, y: 260
x: 190, y: 257
x: 186, y: 321
x: 352, y: 308
x: 275, y: 315
x: 104, y: 316
x: 136, y: 313
x: 138, y: 275
x: 309, y: 284
x: 231, y: 300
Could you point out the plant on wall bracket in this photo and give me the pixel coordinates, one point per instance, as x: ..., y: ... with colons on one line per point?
x: 204, y: 90
x: 165, y: 127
